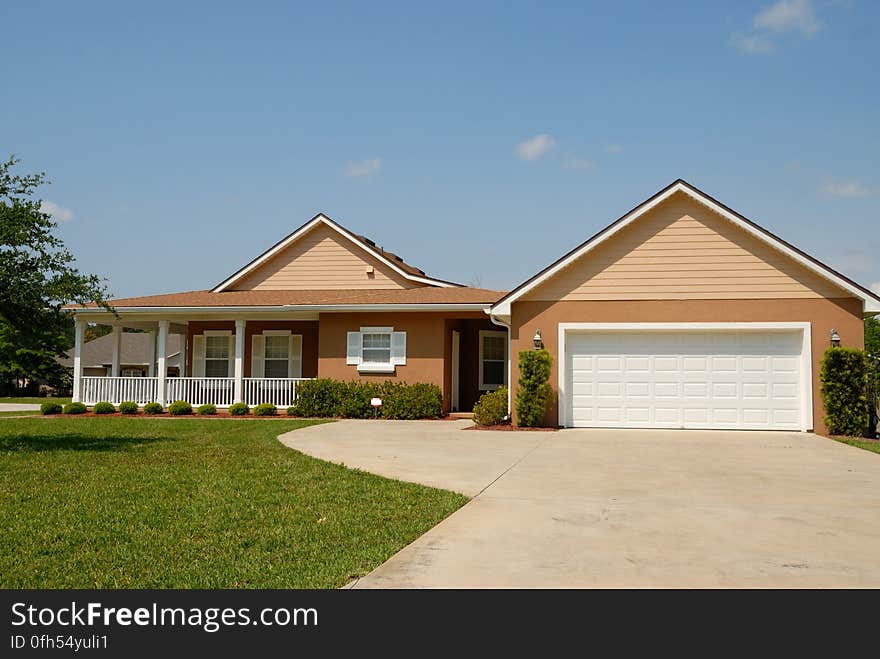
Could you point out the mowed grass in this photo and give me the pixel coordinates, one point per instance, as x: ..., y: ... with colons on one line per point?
x: 187, y: 503
x: 868, y: 445
x: 22, y: 413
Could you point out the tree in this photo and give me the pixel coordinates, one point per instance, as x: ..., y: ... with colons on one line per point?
x: 37, y: 278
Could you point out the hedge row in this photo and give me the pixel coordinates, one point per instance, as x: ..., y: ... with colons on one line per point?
x: 177, y: 408
x: 326, y: 397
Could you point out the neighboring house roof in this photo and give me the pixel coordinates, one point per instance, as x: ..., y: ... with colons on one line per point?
x: 390, y: 259
x: 870, y: 300
x: 334, y: 298
x: 135, y: 351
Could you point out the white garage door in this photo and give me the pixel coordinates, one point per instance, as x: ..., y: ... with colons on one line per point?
x: 724, y: 380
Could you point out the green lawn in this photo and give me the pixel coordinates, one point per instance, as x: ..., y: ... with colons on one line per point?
x: 186, y: 503
x: 25, y: 413
x: 868, y: 445
x: 35, y: 400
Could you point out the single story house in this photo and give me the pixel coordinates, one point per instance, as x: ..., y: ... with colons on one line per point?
x: 127, y: 354
x: 680, y: 314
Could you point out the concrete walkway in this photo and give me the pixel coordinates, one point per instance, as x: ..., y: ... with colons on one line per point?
x: 599, y: 508
x: 19, y: 407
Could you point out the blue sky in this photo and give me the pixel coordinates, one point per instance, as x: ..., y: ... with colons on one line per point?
x: 478, y: 140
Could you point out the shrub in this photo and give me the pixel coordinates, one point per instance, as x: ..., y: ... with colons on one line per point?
x: 844, y: 378
x: 411, y: 401
x: 74, y: 408
x: 151, y: 409
x: 265, y: 409
x: 291, y: 411
x: 356, y: 397
x: 534, y: 388
x: 103, y: 408
x: 491, y: 409
x: 319, y: 398
x: 50, y: 408
x: 180, y: 408
x: 128, y: 407
x: 206, y: 410
x: 239, y: 409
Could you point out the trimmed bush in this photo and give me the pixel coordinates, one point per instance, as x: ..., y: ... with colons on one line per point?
x: 239, y: 409
x: 151, y: 409
x: 50, y: 408
x: 491, y: 409
x: 356, y: 397
x: 534, y: 390
x: 180, y: 408
x: 103, y: 408
x: 411, y: 401
x: 206, y: 410
x: 844, y: 378
x: 291, y: 411
x: 319, y: 398
x: 128, y: 407
x: 74, y: 408
x: 265, y: 409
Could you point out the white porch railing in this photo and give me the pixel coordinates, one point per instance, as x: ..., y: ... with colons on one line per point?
x: 201, y: 391
x: 281, y: 392
x: 116, y: 390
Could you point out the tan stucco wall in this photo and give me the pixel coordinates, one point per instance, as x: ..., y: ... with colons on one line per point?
x: 322, y: 260
x: 683, y: 250
x: 823, y: 315
x: 427, y: 346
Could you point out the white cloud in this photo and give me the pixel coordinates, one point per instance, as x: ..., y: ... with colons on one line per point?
x: 788, y: 15
x: 876, y: 287
x: 535, y: 147
x: 573, y: 162
x: 847, y: 189
x: 614, y: 148
x: 782, y: 17
x: 752, y: 44
x: 363, y: 167
x: 58, y: 213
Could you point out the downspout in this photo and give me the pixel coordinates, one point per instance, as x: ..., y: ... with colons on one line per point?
x: 501, y: 323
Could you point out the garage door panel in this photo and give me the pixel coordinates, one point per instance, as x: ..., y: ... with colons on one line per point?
x: 685, y: 379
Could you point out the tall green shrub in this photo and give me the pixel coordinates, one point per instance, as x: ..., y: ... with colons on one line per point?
x: 534, y: 390
x: 491, y: 409
x: 844, y: 378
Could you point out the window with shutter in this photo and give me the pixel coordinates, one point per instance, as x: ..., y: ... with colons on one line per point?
x: 378, y: 349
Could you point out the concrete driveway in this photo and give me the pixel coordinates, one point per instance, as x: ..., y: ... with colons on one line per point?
x: 642, y: 508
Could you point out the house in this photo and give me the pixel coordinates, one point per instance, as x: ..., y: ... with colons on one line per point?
x: 128, y: 354
x: 680, y: 314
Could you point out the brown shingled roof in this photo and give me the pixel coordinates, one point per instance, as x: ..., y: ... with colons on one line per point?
x: 423, y: 295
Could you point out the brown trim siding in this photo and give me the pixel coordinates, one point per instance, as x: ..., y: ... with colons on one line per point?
x: 845, y: 315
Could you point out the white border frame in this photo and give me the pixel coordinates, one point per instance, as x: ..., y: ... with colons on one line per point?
x: 482, y: 386
x: 870, y: 304
x: 320, y: 218
x: 806, y: 388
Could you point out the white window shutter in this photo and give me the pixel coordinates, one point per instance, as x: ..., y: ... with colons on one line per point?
x: 294, y: 356
x: 198, y: 363
x: 231, y: 364
x: 398, y: 348
x: 258, y: 352
x: 353, y: 351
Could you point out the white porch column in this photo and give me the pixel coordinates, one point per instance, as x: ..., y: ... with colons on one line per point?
x: 117, y: 351
x: 162, y: 349
x: 151, y: 371
x: 239, y: 361
x: 79, y: 333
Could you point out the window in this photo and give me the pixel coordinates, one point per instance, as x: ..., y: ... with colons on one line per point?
x: 376, y: 348
x: 493, y: 359
x: 132, y: 373
x: 216, y: 356
x: 276, y: 354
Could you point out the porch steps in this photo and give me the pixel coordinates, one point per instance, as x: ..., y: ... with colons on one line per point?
x: 461, y: 415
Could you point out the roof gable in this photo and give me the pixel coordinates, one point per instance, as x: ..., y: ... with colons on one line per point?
x: 789, y: 255
x: 342, y: 250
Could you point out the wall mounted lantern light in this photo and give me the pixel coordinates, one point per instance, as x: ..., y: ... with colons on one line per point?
x: 835, y: 339
x: 537, y: 340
